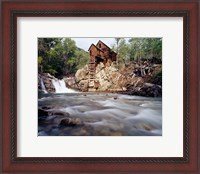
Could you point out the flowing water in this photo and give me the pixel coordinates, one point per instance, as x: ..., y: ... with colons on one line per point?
x: 43, y: 86
x: 99, y: 114
x: 60, y: 86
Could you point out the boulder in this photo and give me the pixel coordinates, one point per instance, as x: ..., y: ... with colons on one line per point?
x: 47, y: 80
x: 145, y: 89
x: 105, y: 86
x: 99, y: 67
x: 83, y: 85
x: 82, y: 74
x: 71, y: 83
x: 101, y: 76
x: 70, y: 122
x: 118, y: 81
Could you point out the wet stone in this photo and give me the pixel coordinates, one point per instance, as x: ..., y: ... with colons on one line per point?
x: 70, y: 122
x: 46, y: 107
x: 66, y: 114
x: 42, y: 112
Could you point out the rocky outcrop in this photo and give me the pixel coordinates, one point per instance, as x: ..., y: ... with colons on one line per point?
x: 46, y: 84
x: 46, y: 78
x: 107, y: 78
x: 145, y: 89
x: 82, y: 74
x: 134, y: 80
x: 82, y: 78
x: 143, y: 79
x: 71, y: 82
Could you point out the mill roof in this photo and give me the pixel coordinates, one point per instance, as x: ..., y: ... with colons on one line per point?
x: 102, y: 43
x: 92, y: 45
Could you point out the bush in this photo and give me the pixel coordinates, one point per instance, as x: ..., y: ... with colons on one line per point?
x: 157, y: 79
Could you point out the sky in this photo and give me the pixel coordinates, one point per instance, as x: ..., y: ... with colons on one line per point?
x: 85, y: 43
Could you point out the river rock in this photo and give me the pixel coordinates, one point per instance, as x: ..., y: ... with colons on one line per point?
x: 70, y: 122
x: 57, y: 113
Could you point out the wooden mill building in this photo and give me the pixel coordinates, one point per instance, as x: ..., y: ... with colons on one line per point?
x: 99, y: 53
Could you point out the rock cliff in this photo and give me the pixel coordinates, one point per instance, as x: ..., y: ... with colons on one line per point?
x: 144, y: 79
x: 107, y: 78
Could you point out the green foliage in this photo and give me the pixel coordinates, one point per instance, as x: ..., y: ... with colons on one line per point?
x: 122, y: 50
x: 39, y: 60
x: 157, y: 79
x: 59, y: 56
x: 81, y: 58
x: 136, y: 49
x: 145, y: 48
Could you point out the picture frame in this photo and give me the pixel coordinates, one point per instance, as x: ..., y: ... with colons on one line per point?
x: 188, y: 10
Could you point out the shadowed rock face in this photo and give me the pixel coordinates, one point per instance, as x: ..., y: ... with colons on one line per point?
x: 147, y: 90
x: 47, y: 79
x: 65, y: 85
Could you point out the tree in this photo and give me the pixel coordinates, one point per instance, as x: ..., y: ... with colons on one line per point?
x: 44, y: 46
x: 137, y: 48
x: 59, y: 56
x: 122, y: 50
x: 145, y: 48
x: 82, y: 58
x: 156, y: 47
x: 117, y: 49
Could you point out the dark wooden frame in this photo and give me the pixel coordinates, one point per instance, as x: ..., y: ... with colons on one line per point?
x: 181, y: 8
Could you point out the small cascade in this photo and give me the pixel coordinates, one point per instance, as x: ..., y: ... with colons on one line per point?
x: 60, y: 86
x: 43, y: 86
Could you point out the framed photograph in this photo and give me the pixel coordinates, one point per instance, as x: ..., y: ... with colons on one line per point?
x: 100, y: 86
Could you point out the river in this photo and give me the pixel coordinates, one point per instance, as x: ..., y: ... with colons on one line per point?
x: 99, y: 114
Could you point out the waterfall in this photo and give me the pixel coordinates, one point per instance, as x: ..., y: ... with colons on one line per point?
x: 43, y: 86
x: 60, y: 86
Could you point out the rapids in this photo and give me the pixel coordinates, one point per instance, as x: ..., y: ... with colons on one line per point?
x: 99, y: 114
x: 60, y: 86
